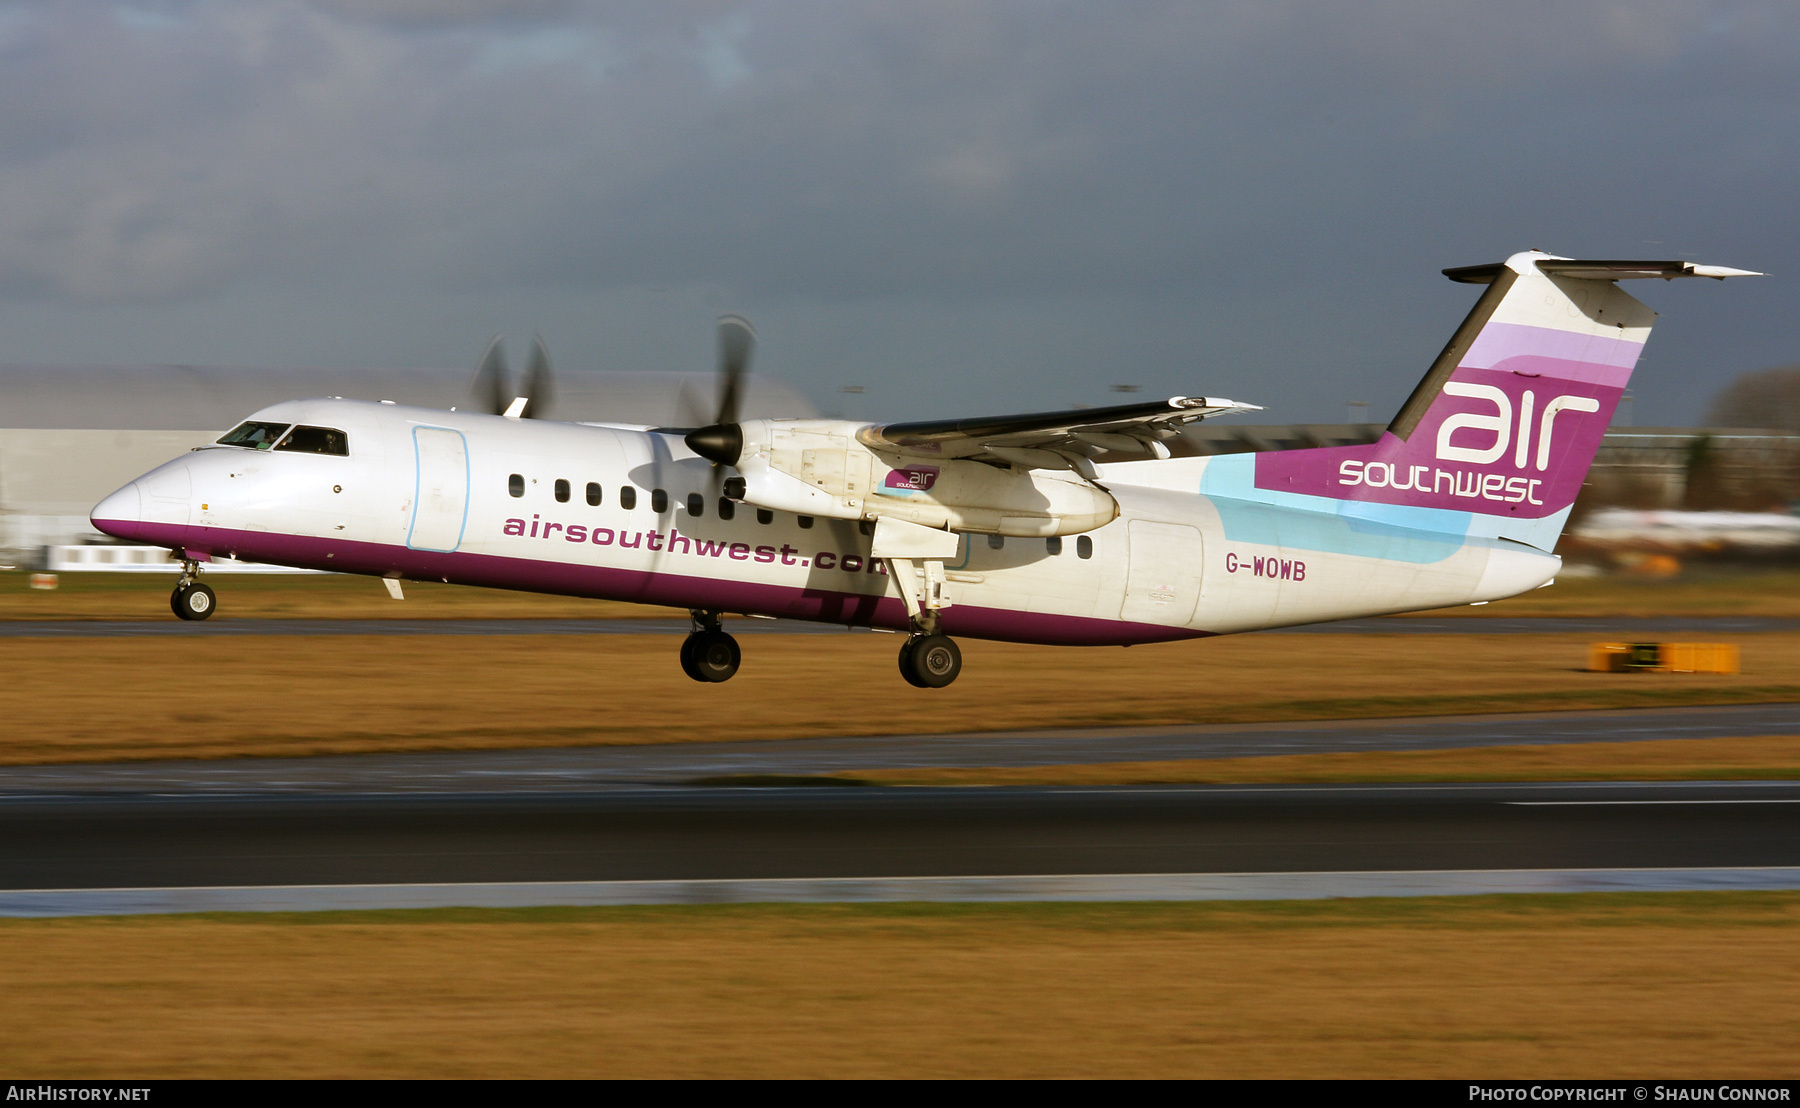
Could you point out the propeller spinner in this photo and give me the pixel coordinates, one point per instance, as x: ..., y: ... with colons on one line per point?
x: 723, y: 441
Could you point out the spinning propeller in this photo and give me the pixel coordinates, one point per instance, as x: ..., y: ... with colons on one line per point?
x: 722, y: 441
x: 493, y: 393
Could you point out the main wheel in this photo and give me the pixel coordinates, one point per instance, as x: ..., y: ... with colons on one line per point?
x: 195, y: 601
x: 711, y: 656
x: 930, y: 661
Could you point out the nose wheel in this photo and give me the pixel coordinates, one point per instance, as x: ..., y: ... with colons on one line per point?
x: 193, y: 600
x: 708, y: 654
x: 930, y: 661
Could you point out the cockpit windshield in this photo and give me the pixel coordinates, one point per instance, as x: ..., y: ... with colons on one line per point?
x: 256, y: 436
x: 316, y: 440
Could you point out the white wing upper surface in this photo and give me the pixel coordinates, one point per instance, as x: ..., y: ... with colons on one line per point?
x: 1071, y: 439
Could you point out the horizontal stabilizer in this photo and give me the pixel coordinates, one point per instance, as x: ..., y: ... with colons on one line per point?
x: 1601, y: 270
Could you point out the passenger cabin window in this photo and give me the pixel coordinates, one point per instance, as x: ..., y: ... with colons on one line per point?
x: 1084, y: 547
x: 659, y: 500
x: 516, y: 484
x: 562, y: 491
x: 996, y: 542
x: 1054, y: 545
x: 726, y: 508
x: 696, y: 504
x: 256, y: 436
x: 593, y: 494
x: 627, y: 498
x: 763, y: 515
x: 806, y: 521
x: 316, y: 440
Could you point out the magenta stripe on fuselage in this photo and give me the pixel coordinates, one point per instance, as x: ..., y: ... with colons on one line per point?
x: 640, y: 586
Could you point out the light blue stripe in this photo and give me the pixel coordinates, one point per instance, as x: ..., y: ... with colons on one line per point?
x: 418, y: 479
x: 1295, y: 520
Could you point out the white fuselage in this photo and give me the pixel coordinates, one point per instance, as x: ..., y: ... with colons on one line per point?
x: 430, y: 495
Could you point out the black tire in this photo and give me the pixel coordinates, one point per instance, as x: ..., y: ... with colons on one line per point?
x: 931, y: 661
x: 906, y: 666
x: 711, y: 656
x: 687, y: 658
x: 195, y: 601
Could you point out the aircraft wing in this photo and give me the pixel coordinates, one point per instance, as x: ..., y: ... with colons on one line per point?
x: 1068, y: 439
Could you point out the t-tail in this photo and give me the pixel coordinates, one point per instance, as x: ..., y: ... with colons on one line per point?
x: 1503, y: 428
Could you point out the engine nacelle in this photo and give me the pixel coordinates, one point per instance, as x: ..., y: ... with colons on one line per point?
x: 819, y: 467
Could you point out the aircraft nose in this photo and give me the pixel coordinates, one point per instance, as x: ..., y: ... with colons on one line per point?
x: 119, y: 513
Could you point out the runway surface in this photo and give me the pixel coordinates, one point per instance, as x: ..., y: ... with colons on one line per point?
x: 762, y: 834
x: 578, y: 769
x: 1625, y: 628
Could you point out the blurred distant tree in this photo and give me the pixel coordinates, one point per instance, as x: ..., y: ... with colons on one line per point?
x: 1770, y: 398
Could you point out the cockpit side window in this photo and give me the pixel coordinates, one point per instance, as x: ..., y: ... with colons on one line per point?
x: 316, y: 440
x: 256, y: 436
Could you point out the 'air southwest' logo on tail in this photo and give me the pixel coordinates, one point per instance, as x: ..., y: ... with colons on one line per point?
x: 1501, y: 424
x: 1466, y: 483
x: 1495, y: 442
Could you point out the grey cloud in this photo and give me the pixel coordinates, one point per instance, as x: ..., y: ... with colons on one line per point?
x: 1257, y: 192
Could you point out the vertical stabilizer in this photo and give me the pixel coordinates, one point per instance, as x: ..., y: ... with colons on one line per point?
x: 1502, y: 429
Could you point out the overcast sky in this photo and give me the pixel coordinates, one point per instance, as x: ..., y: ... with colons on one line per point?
x: 964, y: 207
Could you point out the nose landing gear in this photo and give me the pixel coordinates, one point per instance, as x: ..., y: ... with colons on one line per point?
x: 709, y: 654
x: 191, y: 600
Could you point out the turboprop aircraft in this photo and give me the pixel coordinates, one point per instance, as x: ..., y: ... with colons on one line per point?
x: 1076, y: 527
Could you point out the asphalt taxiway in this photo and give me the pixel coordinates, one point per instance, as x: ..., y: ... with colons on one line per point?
x: 639, y: 824
x: 773, y: 834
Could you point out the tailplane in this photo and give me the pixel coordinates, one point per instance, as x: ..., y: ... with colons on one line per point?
x: 1504, y: 426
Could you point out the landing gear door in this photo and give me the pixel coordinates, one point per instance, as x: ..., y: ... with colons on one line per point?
x: 441, y: 495
x: 1162, y: 584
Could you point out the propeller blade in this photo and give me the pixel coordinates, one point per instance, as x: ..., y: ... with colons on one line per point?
x: 737, y: 339
x: 538, y: 384
x: 489, y: 391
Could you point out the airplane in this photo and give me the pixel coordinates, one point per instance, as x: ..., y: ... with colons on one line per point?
x: 1078, y: 527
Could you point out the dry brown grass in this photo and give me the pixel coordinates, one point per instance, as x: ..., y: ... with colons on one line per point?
x: 1764, y: 758
x: 1697, y: 985
x: 135, y: 596
x: 1719, y: 594
x: 140, y: 596
x: 122, y: 698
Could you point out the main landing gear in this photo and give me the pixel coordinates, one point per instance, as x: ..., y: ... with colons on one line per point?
x: 191, y: 599
x: 709, y: 654
x: 930, y: 658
